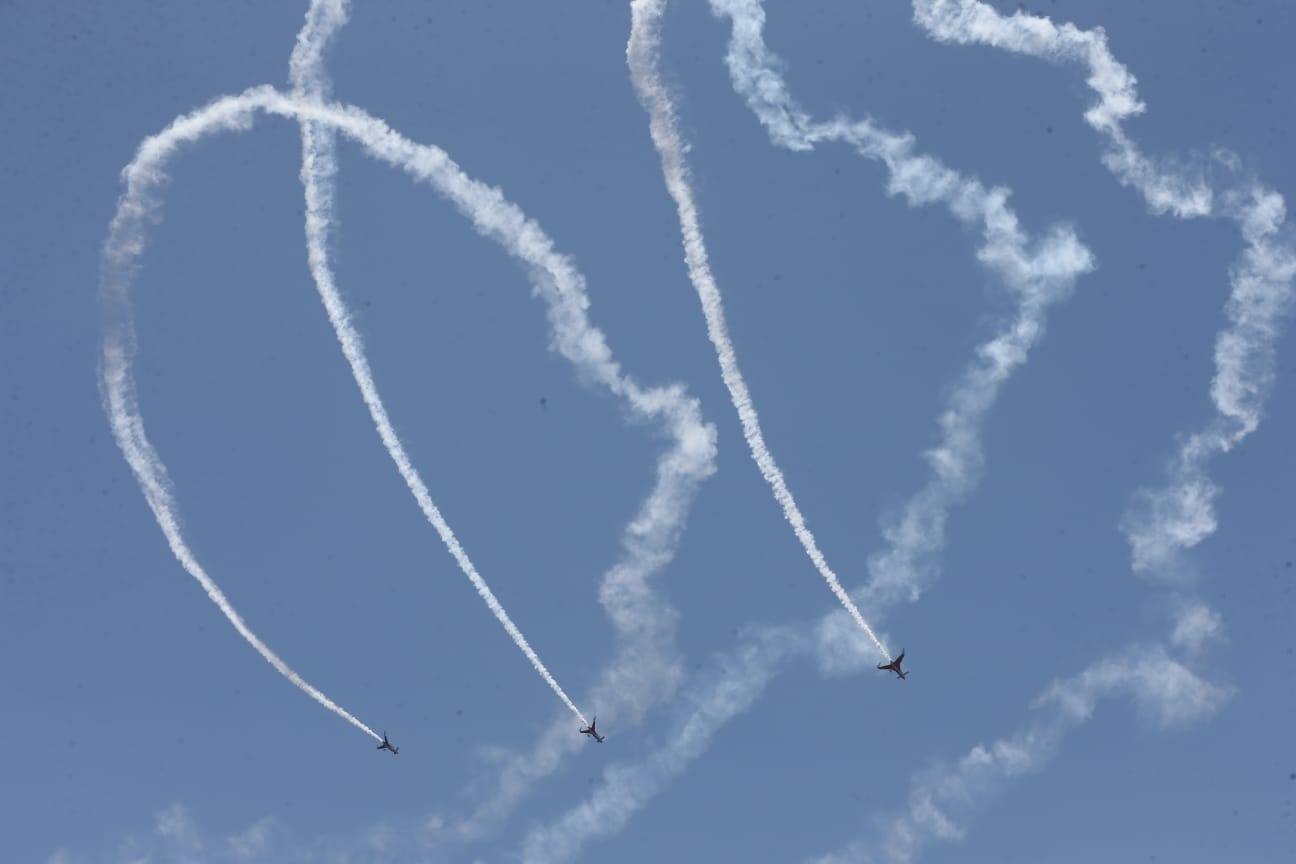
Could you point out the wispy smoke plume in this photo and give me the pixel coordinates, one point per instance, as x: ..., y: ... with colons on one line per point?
x: 1166, y: 693
x: 1039, y: 272
x: 1163, y: 523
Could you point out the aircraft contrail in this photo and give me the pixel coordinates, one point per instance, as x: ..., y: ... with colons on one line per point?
x: 1040, y: 272
x: 1040, y: 276
x: 644, y: 669
x: 1165, y: 522
x: 127, y: 236
x: 319, y: 168
x: 125, y: 244
x: 642, y: 53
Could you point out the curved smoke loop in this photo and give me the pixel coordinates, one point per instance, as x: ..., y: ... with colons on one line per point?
x: 644, y: 665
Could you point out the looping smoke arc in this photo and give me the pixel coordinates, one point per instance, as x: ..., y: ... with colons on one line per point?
x: 642, y: 53
x: 555, y: 279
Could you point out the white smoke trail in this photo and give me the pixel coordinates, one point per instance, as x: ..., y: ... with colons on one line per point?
x: 319, y: 160
x: 553, y: 276
x: 319, y: 168
x: 1161, y: 524
x: 1165, y: 522
x: 1166, y: 693
x: 971, y: 22
x: 642, y: 54
x: 731, y: 685
x: 644, y: 669
x: 1040, y: 272
x: 126, y: 240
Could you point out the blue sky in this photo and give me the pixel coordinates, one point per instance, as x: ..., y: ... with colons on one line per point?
x: 142, y: 727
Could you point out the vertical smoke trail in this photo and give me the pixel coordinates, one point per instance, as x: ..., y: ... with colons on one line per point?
x: 319, y: 167
x: 641, y: 54
x: 126, y: 240
x: 643, y: 669
x: 1040, y: 272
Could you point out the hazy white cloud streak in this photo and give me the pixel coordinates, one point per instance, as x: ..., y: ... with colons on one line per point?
x: 177, y: 837
x: 1166, y: 693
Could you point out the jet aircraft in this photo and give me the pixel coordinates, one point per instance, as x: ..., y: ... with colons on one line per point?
x: 387, y: 745
x: 592, y: 731
x: 894, y: 666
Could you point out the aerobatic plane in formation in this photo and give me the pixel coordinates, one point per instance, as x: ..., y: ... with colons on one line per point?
x: 387, y: 745
x: 592, y: 731
x: 894, y: 666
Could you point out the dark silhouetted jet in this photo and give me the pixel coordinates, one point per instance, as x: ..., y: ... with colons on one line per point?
x: 387, y: 745
x: 592, y: 731
x: 894, y: 666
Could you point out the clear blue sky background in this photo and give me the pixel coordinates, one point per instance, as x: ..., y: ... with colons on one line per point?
x: 122, y: 690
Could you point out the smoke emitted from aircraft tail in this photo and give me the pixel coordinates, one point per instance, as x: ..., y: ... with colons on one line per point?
x: 319, y: 168
x: 732, y: 682
x: 127, y: 236
x: 645, y: 668
x: 1038, y: 272
x: 642, y: 55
